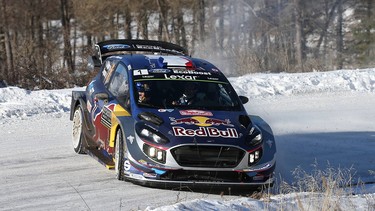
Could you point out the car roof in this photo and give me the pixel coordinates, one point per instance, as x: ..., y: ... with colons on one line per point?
x: 145, y: 61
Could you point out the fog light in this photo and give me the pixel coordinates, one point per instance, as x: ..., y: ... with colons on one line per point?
x: 154, y: 153
x: 251, y: 158
x: 160, y: 155
x: 151, y: 152
x: 254, y: 156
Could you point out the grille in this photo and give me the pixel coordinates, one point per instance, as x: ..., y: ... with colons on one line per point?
x: 207, y: 156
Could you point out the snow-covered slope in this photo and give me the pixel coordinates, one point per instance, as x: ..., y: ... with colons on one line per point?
x: 265, y: 85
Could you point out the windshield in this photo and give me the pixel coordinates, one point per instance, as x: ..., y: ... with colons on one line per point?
x: 210, y: 95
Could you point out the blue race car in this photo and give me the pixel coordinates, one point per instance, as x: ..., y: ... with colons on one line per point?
x: 162, y: 118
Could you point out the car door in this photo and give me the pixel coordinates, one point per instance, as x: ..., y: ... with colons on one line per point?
x: 117, y: 89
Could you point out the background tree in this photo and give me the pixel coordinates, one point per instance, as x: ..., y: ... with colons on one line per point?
x: 45, y: 43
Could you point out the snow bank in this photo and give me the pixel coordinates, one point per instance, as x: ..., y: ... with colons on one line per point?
x: 20, y: 103
x: 293, y: 201
x: 265, y: 85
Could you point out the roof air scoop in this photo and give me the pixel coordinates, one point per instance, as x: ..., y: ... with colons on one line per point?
x: 160, y: 63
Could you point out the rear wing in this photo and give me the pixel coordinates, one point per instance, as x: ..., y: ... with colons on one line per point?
x: 122, y: 46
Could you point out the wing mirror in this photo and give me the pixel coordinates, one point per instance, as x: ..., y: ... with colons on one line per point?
x: 101, y: 96
x: 244, y: 99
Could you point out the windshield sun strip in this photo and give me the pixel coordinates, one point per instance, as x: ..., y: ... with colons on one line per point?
x: 162, y: 79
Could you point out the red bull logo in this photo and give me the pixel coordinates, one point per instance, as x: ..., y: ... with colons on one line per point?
x: 200, y: 121
x: 206, y: 132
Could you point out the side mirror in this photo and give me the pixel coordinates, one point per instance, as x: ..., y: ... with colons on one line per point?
x: 244, y: 99
x: 101, y: 96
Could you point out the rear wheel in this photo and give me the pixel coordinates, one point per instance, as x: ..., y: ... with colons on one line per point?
x: 119, y: 155
x: 77, y: 136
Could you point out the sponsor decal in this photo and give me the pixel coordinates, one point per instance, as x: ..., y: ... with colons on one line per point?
x: 142, y: 162
x: 191, y: 72
x: 206, y: 132
x: 195, y: 112
x: 165, y: 110
x: 159, y: 71
x: 116, y: 46
x: 106, y: 117
x: 149, y: 47
x: 127, y: 165
x: 148, y: 76
x: 180, y: 77
x: 140, y: 72
x: 136, y: 176
x: 131, y: 139
x: 149, y: 175
x: 269, y: 142
x: 200, y: 121
x: 158, y: 171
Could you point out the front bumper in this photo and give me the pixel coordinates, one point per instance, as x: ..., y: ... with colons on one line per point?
x: 205, y: 180
x: 212, y: 186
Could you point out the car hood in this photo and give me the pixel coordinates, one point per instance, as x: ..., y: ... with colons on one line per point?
x: 203, y: 127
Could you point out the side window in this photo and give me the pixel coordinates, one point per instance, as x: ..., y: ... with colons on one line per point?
x: 225, y: 98
x: 118, y: 84
x: 108, y: 68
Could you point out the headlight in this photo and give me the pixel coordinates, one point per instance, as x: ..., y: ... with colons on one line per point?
x: 150, y: 134
x: 255, y: 136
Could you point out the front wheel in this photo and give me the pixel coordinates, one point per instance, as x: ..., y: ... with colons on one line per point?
x: 119, y: 155
x: 77, y: 136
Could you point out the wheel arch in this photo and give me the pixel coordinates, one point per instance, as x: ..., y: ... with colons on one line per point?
x: 78, y: 99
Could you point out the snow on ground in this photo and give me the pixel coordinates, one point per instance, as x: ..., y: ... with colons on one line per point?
x: 316, y: 117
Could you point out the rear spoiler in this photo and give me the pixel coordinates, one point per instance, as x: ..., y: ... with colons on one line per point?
x: 121, y: 46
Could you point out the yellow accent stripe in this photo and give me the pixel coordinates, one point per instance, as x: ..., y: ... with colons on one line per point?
x: 120, y: 111
x: 117, y: 112
x: 109, y: 166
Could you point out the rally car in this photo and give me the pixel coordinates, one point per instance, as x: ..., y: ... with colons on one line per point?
x: 161, y: 118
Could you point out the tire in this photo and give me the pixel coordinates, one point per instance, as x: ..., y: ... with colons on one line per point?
x: 77, y: 136
x: 119, y: 155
